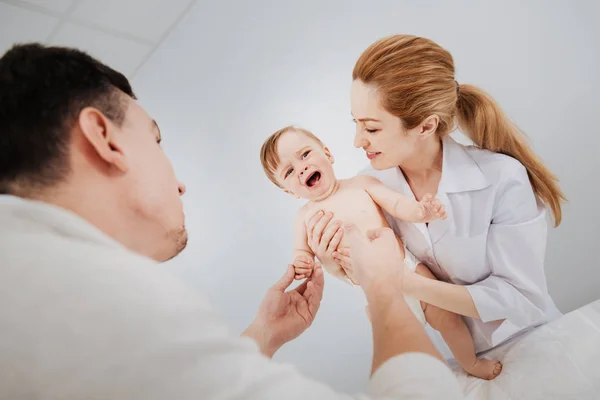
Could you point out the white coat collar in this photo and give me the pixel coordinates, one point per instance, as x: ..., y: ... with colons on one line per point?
x: 460, y: 173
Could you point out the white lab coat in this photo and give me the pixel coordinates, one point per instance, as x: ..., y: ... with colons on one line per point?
x: 493, y: 241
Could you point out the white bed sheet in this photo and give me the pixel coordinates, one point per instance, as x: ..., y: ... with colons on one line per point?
x: 559, y: 360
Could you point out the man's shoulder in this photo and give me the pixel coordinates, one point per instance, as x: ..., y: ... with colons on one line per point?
x: 97, y: 273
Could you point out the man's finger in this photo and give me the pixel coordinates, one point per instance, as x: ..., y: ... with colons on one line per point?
x: 286, y: 280
x: 314, y: 291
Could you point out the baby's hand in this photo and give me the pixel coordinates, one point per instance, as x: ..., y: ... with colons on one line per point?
x: 431, y: 209
x: 303, y: 266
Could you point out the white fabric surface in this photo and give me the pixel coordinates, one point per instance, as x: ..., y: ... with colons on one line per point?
x: 559, y: 360
x: 83, y: 318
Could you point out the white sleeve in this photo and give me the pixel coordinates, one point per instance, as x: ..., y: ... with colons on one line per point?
x: 516, y: 289
x: 254, y: 377
x: 143, y: 335
x: 410, y: 260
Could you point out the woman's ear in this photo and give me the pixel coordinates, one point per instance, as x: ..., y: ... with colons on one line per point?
x: 429, y: 126
x: 100, y: 133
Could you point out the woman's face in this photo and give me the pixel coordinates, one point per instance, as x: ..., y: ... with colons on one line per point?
x: 382, y: 135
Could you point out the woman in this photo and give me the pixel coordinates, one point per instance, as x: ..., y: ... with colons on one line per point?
x: 489, y: 253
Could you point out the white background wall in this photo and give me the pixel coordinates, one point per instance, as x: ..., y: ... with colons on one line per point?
x: 233, y: 72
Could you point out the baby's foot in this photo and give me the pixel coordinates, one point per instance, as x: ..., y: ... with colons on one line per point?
x: 485, y: 369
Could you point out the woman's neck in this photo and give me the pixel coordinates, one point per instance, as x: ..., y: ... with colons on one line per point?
x: 427, y: 164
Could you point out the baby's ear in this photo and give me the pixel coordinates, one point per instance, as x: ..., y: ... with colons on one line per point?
x: 291, y: 194
x: 328, y: 154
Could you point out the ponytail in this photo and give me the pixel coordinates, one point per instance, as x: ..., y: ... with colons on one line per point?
x: 482, y: 120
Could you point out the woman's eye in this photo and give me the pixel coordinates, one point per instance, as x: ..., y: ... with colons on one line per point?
x: 371, y: 130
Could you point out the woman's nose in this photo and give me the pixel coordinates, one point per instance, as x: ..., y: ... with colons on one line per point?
x: 359, y: 140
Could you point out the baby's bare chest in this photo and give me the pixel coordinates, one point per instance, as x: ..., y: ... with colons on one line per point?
x: 352, y: 206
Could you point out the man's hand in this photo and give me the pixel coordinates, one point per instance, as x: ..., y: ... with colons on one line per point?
x: 283, y: 316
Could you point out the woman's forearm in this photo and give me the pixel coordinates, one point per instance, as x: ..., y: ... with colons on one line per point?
x: 447, y: 296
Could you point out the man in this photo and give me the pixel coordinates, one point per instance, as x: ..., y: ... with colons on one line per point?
x: 89, y: 206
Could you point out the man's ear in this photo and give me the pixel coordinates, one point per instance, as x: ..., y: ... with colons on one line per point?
x: 328, y: 154
x: 429, y: 126
x: 101, y: 134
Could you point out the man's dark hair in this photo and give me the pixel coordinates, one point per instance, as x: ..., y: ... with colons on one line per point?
x: 42, y: 91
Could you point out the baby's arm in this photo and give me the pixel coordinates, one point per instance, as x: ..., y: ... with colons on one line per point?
x: 303, y: 255
x: 400, y: 206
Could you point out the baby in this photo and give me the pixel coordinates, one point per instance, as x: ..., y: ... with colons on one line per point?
x: 297, y: 161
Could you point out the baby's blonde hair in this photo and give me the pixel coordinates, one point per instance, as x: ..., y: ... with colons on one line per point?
x: 268, y: 153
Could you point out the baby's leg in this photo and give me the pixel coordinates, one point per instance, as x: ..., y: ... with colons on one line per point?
x: 453, y: 329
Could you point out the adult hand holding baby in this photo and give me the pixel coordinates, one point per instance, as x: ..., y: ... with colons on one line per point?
x: 324, y: 236
x: 373, y: 258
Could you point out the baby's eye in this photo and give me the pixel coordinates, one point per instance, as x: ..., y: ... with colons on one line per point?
x: 288, y: 172
x: 306, y: 153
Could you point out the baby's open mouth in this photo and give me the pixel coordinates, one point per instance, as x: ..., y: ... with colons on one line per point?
x: 313, y: 179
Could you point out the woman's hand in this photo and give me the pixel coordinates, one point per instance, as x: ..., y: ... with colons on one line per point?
x: 324, y: 236
x: 375, y: 259
x: 343, y: 259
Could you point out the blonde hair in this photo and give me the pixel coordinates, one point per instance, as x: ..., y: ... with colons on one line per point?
x: 268, y: 152
x: 415, y: 79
